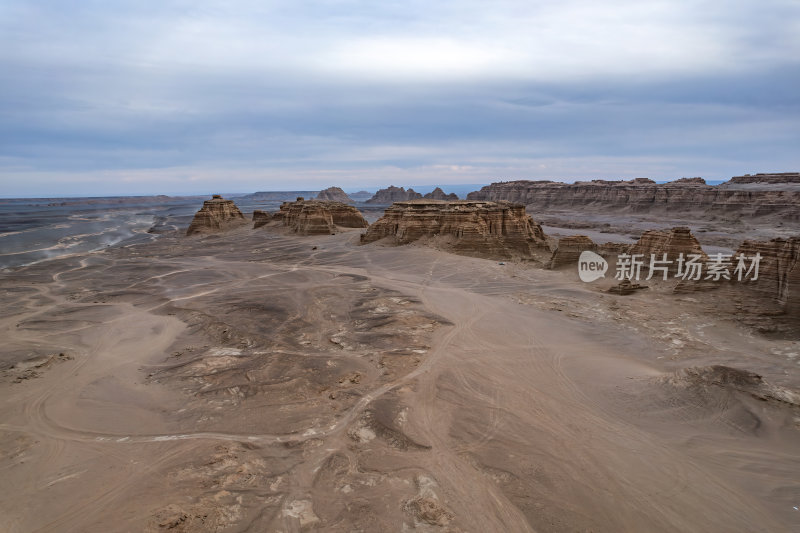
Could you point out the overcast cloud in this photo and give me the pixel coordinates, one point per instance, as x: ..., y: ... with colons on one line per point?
x: 103, y: 97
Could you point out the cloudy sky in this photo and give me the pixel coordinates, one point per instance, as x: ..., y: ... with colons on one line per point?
x: 198, y: 96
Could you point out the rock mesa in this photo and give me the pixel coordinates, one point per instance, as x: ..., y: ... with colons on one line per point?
x: 493, y: 229
x: 216, y: 214
x: 314, y: 217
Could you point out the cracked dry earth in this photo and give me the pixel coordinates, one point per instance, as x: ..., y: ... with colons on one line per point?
x: 255, y: 381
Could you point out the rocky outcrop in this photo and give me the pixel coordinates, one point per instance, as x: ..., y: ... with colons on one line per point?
x: 626, y: 287
x: 488, y: 229
x: 393, y: 194
x: 769, y: 301
x: 726, y: 379
x: 216, y: 214
x: 346, y: 216
x: 334, y: 194
x: 260, y: 218
x: 569, y: 250
x: 307, y: 218
x: 689, y: 181
x: 610, y: 250
x: 780, y: 177
x: 313, y: 217
x: 640, y: 195
x: 439, y: 194
x: 778, y: 272
x: 672, y: 242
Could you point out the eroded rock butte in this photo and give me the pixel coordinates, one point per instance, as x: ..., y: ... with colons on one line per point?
x: 216, y: 214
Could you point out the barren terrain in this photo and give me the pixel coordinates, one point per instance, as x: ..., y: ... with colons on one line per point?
x: 261, y: 381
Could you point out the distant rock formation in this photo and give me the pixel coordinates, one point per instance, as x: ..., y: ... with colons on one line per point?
x: 689, y: 181
x: 361, y: 196
x: 314, y: 217
x: 393, y: 194
x: 278, y: 196
x: 216, y: 214
x: 439, y: 194
x: 780, y: 177
x: 334, y: 194
x: 493, y: 229
x: 643, y: 195
x: 260, y: 218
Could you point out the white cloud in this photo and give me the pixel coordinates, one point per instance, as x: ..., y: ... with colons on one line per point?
x: 413, y: 88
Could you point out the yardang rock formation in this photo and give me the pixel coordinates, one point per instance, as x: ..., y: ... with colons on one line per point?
x: 779, y: 272
x: 314, y: 217
x: 493, y: 229
x: 644, y: 195
x: 216, y: 214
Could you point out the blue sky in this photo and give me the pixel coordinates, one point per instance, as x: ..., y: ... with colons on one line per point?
x: 104, y: 97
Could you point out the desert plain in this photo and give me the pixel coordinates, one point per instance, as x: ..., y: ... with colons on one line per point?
x: 258, y: 380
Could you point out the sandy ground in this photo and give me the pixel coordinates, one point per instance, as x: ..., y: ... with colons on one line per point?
x: 257, y: 381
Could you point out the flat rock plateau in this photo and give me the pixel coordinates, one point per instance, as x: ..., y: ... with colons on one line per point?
x: 263, y: 380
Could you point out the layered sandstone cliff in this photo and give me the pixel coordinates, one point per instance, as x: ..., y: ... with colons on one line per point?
x: 334, y: 194
x: 346, y: 216
x: 780, y: 177
x: 439, y: 194
x: 216, y: 214
x: 493, y: 229
x: 766, y: 298
x: 641, y: 195
x: 393, y: 194
x: 313, y: 217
